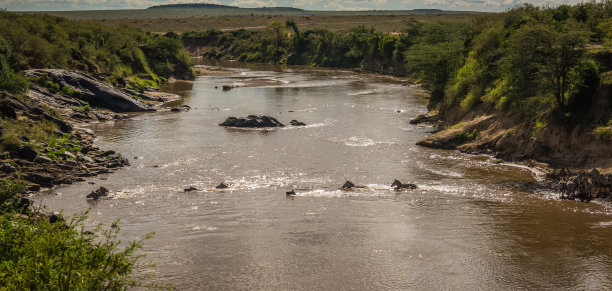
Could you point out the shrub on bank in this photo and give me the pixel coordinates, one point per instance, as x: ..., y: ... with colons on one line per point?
x: 56, y: 254
x: 123, y: 55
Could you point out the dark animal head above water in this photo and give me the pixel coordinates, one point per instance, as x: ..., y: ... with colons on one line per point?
x: 397, y: 183
x: 348, y: 185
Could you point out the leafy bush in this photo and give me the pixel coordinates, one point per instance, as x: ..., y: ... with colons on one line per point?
x: 17, y: 132
x: 603, y: 132
x: 36, y: 254
x: 9, y: 191
x: 58, y: 145
x: 83, y: 109
x: 43, y: 41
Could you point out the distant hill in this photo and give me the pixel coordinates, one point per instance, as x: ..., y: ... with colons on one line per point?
x: 215, y: 10
x: 193, y: 5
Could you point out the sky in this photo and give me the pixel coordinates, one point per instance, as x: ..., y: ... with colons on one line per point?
x: 472, y: 5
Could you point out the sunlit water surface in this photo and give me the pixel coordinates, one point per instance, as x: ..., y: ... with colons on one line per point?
x: 472, y: 224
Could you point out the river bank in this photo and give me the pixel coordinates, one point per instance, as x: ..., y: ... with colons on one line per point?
x: 564, y: 155
x: 69, y: 101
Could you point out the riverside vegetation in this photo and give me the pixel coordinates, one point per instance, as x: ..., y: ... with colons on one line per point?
x: 528, y: 83
x: 41, y: 97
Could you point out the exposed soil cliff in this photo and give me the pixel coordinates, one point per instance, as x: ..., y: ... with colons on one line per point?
x: 556, y: 144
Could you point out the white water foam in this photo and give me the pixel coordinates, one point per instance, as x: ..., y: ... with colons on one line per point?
x: 355, y: 141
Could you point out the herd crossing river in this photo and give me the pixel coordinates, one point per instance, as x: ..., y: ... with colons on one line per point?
x: 472, y: 223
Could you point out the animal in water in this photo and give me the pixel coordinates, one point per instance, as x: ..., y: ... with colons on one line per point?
x: 398, y: 185
x: 290, y: 193
x: 348, y: 185
x: 95, y: 195
x: 222, y: 186
x: 189, y: 189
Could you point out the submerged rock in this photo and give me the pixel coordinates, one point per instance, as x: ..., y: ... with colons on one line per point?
x: 297, y: 123
x: 95, y: 195
x: 182, y: 108
x: 398, y: 185
x: 252, y: 121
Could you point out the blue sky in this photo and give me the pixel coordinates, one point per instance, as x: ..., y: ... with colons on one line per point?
x: 477, y: 5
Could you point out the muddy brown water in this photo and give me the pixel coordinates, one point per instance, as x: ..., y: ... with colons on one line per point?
x: 472, y: 224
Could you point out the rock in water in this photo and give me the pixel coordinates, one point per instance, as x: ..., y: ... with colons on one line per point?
x: 95, y: 195
x: 290, y: 193
x: 348, y: 185
x: 222, y: 186
x: 190, y: 189
x: 182, y: 108
x: 252, y: 121
x: 297, y: 123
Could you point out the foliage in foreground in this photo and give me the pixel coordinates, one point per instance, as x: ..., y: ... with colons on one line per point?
x: 36, y: 254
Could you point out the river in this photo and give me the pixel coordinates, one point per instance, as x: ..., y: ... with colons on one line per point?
x: 471, y: 224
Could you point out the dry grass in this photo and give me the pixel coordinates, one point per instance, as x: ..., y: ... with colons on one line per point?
x: 386, y: 23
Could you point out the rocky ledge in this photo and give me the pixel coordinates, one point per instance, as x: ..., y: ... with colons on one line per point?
x: 42, y: 166
x: 68, y: 99
x: 552, y: 150
x: 91, y: 90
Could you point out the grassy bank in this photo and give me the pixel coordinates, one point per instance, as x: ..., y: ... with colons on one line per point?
x: 334, y: 23
x: 121, y: 55
x: 40, y: 147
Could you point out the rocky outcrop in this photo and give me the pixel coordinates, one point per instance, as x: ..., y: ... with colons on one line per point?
x: 40, y: 165
x: 11, y: 108
x: 92, y: 90
x: 426, y: 119
x: 252, y: 121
